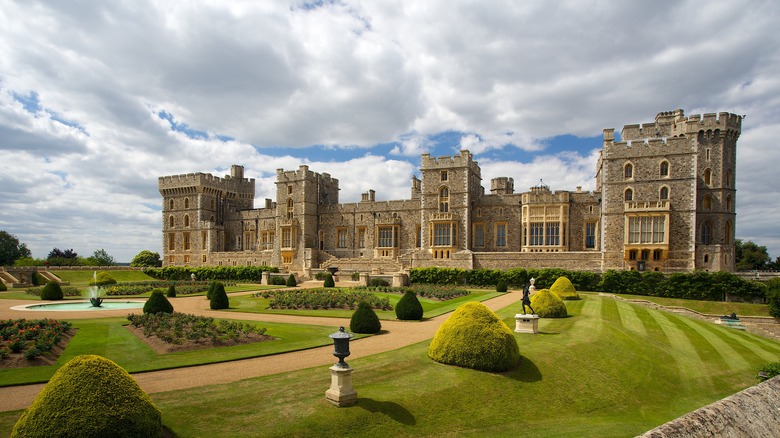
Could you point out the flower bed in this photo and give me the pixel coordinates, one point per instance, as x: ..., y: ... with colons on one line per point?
x: 178, y: 328
x: 323, y: 298
x: 31, y: 337
x: 441, y: 293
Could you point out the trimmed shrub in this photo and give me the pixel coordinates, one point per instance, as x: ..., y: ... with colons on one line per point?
x: 210, y: 292
x: 291, y: 282
x: 564, y: 289
x: 474, y: 337
x: 219, y: 299
x: 171, y: 291
x: 364, y: 320
x: 102, y: 279
x: 769, y: 370
x: 409, y: 307
x: 773, y: 301
x: 378, y: 282
x: 52, y: 291
x: 329, y: 281
x: 501, y: 286
x: 548, y: 305
x: 277, y: 280
x: 3, y: 287
x: 90, y: 396
x: 157, y: 303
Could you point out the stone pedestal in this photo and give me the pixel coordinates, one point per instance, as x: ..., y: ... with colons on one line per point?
x: 400, y: 280
x: 364, y: 279
x: 265, y: 277
x: 341, y: 392
x: 525, y: 323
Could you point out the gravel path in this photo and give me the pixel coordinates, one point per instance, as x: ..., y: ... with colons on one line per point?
x: 397, y: 334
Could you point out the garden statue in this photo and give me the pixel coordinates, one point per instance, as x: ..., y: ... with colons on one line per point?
x: 527, y: 300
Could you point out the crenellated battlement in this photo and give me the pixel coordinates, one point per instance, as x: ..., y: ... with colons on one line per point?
x: 205, y: 181
x: 675, y: 124
x: 465, y: 159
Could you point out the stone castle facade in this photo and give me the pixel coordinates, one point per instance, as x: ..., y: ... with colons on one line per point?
x: 664, y: 201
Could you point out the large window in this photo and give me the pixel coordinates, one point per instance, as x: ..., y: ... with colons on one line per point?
x: 388, y: 238
x: 341, y: 234
x: 444, y: 200
x: 646, y: 229
x: 287, y: 238
x: 706, y: 233
x: 590, y: 235
x: 444, y: 234
x: 500, y: 235
x: 479, y: 235
x: 536, y: 234
x: 361, y: 237
x: 553, y: 234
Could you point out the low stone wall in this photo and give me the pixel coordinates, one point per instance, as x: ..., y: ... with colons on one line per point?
x: 750, y: 413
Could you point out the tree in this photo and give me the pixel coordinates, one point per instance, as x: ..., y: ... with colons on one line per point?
x: 146, y: 258
x: 750, y: 256
x: 101, y: 258
x: 11, y: 250
x: 58, y: 257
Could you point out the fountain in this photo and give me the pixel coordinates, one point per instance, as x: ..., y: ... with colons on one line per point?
x: 94, y: 292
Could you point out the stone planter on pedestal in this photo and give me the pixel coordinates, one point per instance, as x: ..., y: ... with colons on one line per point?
x: 525, y: 323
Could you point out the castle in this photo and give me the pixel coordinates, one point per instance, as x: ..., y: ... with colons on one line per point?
x: 664, y: 201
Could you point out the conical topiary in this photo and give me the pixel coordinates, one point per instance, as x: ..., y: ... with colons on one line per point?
x: 291, y: 281
x: 409, y: 307
x: 364, y: 320
x: 157, y: 303
x: 210, y: 292
x: 474, y: 337
x: 52, y: 291
x: 564, y: 289
x: 219, y: 299
x: 329, y: 281
x: 90, y: 396
x: 171, y: 291
x: 548, y: 305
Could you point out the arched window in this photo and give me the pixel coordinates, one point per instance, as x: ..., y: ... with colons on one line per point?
x: 171, y: 222
x: 444, y: 200
x: 170, y: 205
x: 629, y: 195
x: 664, y: 194
x: 706, y: 203
x: 706, y: 233
x: 186, y: 219
x: 628, y: 171
x: 186, y: 202
x: 728, y: 203
x: 727, y: 232
x: 664, y: 169
x: 707, y: 177
x: 289, y: 208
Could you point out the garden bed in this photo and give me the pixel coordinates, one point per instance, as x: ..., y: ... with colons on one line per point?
x: 35, y: 342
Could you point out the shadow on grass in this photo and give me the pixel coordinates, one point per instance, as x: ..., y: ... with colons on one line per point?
x: 527, y: 371
x: 393, y: 410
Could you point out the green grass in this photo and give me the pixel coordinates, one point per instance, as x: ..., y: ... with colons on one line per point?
x: 431, y: 308
x: 109, y: 338
x: 708, y: 307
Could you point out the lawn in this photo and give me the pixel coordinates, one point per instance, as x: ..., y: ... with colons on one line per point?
x: 431, y: 308
x: 611, y: 369
x: 708, y: 307
x: 108, y: 338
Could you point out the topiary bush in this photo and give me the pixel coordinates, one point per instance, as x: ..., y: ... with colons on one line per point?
x: 210, y: 292
x: 564, y: 289
x: 364, y: 320
x: 52, y: 291
x: 102, y: 279
x: 277, y: 280
x: 501, y: 286
x: 171, y: 291
x: 90, y: 396
x: 3, y: 287
x: 219, y: 299
x: 548, y: 305
x: 409, y: 307
x: 378, y: 282
x: 329, y: 281
x: 474, y: 337
x: 157, y: 303
x: 291, y: 282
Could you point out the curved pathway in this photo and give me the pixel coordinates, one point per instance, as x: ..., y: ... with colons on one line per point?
x: 396, y: 334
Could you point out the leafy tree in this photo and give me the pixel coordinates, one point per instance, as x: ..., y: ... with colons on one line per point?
x: 146, y: 258
x: 101, y: 258
x: 58, y: 257
x: 750, y: 256
x: 11, y: 250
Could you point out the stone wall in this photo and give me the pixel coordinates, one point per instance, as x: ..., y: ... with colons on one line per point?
x: 752, y: 413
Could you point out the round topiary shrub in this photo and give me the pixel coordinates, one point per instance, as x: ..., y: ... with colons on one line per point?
x: 157, y: 303
x: 102, y: 279
x: 52, y: 291
x: 548, y: 305
x: 564, y: 289
x: 364, y: 320
x: 409, y: 307
x: 474, y: 337
x: 219, y: 299
x: 329, y: 281
x: 501, y: 286
x: 90, y: 396
x: 291, y: 282
x: 171, y: 291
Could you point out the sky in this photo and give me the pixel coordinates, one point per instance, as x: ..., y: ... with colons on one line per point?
x: 99, y: 99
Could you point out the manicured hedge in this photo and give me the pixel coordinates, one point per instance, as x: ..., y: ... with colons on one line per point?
x: 548, y: 305
x: 364, y: 320
x: 219, y: 299
x: 246, y: 273
x: 564, y: 289
x: 157, y: 303
x: 474, y: 337
x: 51, y: 291
x: 329, y: 281
x: 409, y: 307
x: 90, y: 396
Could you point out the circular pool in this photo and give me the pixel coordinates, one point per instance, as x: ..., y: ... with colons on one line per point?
x: 76, y: 306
